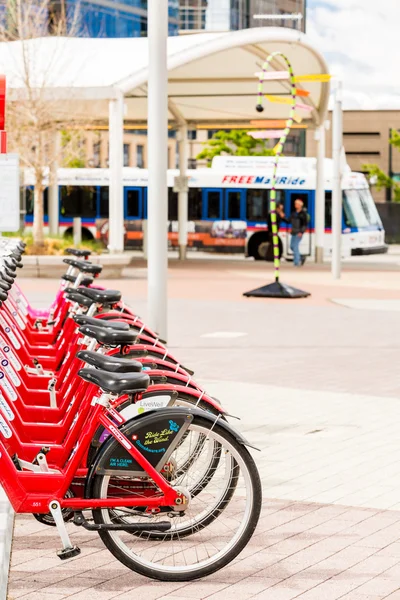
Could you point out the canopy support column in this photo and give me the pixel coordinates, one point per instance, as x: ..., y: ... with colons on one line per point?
x: 157, y: 223
x: 183, y: 195
x: 337, y: 143
x: 116, y: 204
x: 320, y: 196
x: 54, y: 198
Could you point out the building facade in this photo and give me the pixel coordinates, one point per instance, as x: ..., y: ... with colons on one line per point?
x: 119, y: 18
x: 230, y: 15
x: 96, y: 18
x: 366, y: 141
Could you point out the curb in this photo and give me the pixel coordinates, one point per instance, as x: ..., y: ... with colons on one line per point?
x: 6, y: 535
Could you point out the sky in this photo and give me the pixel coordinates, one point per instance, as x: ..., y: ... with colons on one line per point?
x: 360, y: 40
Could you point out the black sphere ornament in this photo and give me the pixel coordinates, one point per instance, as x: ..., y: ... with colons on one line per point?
x: 259, y: 108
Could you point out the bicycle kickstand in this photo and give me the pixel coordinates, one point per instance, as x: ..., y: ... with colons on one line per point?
x: 68, y: 550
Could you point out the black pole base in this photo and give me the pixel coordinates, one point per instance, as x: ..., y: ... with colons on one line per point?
x: 277, y: 290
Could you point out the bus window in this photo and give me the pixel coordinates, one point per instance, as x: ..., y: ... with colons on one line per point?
x: 30, y: 201
x: 354, y: 215
x: 88, y: 202
x: 172, y: 205
x: 328, y: 210
x: 257, y: 205
x: 233, y: 203
x: 78, y: 201
x: 195, y: 204
x: 104, y: 207
x: 133, y: 203
x: 214, y: 205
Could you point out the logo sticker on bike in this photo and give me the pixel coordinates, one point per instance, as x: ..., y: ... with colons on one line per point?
x: 155, y: 436
x: 10, y: 371
x: 5, y: 408
x: 10, y: 334
x: 4, y: 428
x: 5, y: 348
x: 7, y: 387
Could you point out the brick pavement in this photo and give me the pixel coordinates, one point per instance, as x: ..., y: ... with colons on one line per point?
x: 316, y: 386
x: 300, y: 550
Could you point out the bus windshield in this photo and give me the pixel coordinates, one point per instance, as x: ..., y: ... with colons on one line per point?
x: 370, y: 209
x: 354, y: 215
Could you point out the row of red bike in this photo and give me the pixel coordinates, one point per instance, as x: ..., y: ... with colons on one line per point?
x: 102, y: 426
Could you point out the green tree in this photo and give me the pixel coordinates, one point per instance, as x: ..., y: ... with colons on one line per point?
x: 236, y: 143
x: 383, y: 180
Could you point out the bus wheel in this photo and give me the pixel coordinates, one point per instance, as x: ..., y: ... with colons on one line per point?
x: 87, y: 235
x: 258, y: 245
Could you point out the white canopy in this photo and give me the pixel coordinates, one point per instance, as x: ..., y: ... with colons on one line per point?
x: 211, y: 75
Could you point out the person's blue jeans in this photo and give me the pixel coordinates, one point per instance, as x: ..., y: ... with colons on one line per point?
x: 295, y: 248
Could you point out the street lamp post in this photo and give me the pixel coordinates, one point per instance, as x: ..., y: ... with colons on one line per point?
x: 337, y: 144
x: 157, y: 239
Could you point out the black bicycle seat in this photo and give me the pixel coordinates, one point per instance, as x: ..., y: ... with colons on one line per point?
x: 4, y: 286
x: 3, y: 295
x: 101, y: 296
x: 86, y: 281
x: 83, y: 266
x: 116, y: 383
x: 108, y: 337
x: 77, y: 252
x: 110, y: 363
x: 9, y: 265
x: 6, y: 277
x: 81, y: 300
x: 103, y: 323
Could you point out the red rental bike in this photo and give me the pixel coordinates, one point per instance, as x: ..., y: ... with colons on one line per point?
x: 173, y: 492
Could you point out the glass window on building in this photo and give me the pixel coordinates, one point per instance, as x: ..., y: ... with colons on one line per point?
x: 127, y: 155
x: 192, y: 134
x: 140, y: 156
x: 96, y: 154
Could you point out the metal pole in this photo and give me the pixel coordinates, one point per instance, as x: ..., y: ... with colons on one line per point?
x: 116, y: 204
x: 77, y: 231
x: 183, y: 192
x: 320, y: 196
x: 54, y: 207
x: 389, y: 189
x: 337, y: 143
x: 157, y: 248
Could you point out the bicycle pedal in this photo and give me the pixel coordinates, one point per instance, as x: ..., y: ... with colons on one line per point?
x: 66, y: 553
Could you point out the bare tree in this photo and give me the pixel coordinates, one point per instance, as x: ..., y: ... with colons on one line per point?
x: 33, y: 118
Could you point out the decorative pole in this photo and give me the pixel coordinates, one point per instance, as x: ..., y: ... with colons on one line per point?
x: 277, y: 289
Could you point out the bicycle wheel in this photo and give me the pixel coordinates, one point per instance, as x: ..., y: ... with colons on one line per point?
x: 219, y: 529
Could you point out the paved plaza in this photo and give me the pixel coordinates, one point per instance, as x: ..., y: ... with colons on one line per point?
x: 316, y: 384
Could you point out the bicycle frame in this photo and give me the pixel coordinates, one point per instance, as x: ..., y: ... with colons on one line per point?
x: 21, y: 486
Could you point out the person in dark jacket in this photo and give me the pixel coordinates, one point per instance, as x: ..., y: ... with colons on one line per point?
x: 299, y: 222
x: 280, y: 216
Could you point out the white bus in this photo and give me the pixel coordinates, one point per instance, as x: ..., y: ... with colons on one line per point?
x: 228, y: 205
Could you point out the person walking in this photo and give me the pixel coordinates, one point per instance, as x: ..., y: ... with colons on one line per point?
x: 299, y: 222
